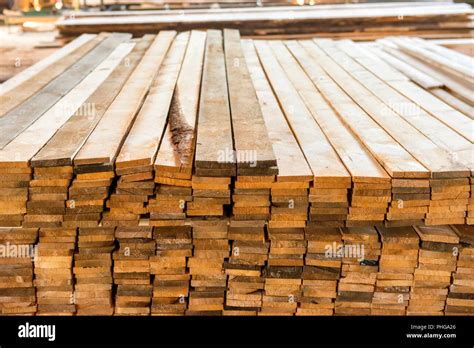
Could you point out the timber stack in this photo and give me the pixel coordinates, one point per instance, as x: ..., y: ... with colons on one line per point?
x: 198, y: 173
x: 363, y: 21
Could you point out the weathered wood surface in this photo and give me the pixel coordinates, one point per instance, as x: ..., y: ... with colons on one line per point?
x: 103, y: 144
x: 215, y: 146
x: 365, y: 20
x: 22, y: 116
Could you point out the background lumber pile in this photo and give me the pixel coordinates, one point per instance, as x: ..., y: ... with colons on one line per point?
x: 355, y: 21
x: 179, y: 4
x: 220, y: 176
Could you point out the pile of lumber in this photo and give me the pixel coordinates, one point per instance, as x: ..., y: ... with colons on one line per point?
x: 184, y: 4
x: 318, y: 131
x: 436, y: 262
x: 284, y: 132
x: 460, y: 297
x: 398, y: 260
x: 54, y: 280
x: 360, y: 254
x: 17, y: 290
x: 93, y: 271
x: 196, y: 173
x: 423, y: 270
x: 132, y: 270
x: 355, y: 21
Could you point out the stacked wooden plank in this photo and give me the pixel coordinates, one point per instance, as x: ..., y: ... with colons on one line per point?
x: 214, y: 167
x: 94, y: 163
x: 398, y: 260
x: 368, y: 201
x: 134, y: 164
x: 360, y: 258
x: 53, y: 164
x: 215, y: 158
x: 460, y: 299
x: 206, y: 266
x: 174, y: 160
x: 256, y: 167
x: 470, y: 205
x: 171, y: 277
x: 450, y: 77
x: 249, y: 157
x: 288, y: 194
x: 249, y: 253
x: 455, y: 140
x: 54, y: 279
x: 41, y: 115
x: 436, y: 263
x: 93, y: 271
x: 321, y: 272
x: 409, y: 187
x: 17, y: 291
x: 404, y: 127
x: 132, y: 270
x: 328, y: 195
x: 359, y: 21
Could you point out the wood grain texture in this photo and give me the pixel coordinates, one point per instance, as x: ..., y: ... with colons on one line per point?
x: 250, y: 134
x: 176, y: 153
x: 68, y: 140
x: 143, y: 140
x: 59, y: 63
x: 28, y: 143
x: 215, y: 148
x: 21, y: 117
x: 291, y: 162
x: 118, y: 119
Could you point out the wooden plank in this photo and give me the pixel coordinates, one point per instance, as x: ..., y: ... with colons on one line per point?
x: 441, y: 111
x: 445, y: 64
x: 290, y: 160
x: 282, y: 21
x: 452, y: 55
x: 28, y: 143
x: 141, y: 144
x: 250, y: 134
x: 454, y: 102
x: 21, y: 117
x: 176, y: 151
x: 17, y: 95
x: 35, y: 69
x: 396, y: 160
x: 319, y: 153
x: 457, y: 146
x: 465, y: 233
x: 438, y: 161
x: 437, y: 234
x: 214, y: 147
x: 61, y: 149
x: 421, y: 78
x: 137, y: 155
x: 457, y: 87
x: 122, y: 111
